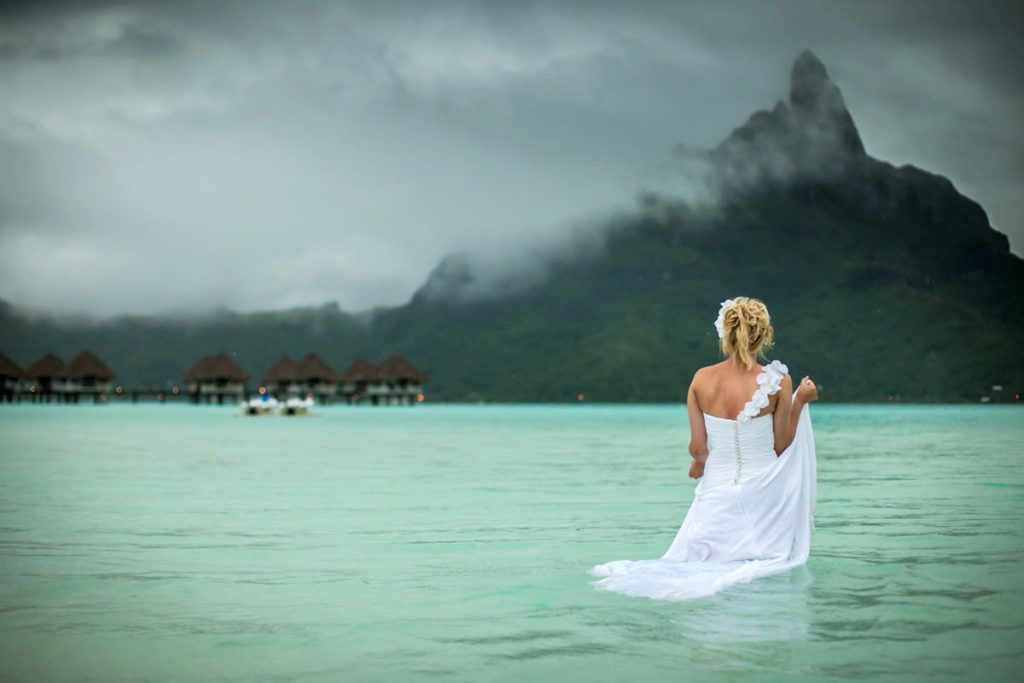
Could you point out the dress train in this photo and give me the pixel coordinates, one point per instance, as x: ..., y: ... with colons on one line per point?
x: 752, y: 513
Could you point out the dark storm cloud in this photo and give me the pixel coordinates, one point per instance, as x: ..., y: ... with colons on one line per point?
x: 162, y: 156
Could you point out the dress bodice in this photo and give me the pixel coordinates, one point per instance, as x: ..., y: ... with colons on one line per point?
x: 741, y: 448
x: 738, y: 450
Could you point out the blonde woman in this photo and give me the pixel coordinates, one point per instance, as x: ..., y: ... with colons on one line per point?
x: 753, y: 451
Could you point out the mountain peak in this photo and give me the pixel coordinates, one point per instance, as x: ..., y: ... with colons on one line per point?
x: 811, y: 135
x: 818, y: 101
x: 808, y: 79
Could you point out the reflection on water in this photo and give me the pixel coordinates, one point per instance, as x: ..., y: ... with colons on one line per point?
x: 767, y: 610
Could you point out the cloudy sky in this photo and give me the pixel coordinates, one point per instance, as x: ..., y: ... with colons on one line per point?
x: 180, y: 156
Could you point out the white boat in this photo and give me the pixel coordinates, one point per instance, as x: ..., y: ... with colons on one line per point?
x: 264, y: 404
x: 297, y: 406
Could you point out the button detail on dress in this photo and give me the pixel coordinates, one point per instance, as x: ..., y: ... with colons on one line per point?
x: 736, y: 441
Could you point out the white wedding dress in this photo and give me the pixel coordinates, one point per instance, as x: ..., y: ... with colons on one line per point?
x: 752, y: 512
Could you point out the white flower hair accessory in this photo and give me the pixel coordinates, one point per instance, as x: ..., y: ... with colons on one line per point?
x: 720, y: 323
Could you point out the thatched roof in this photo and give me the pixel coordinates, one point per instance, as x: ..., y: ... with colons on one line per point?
x: 313, y: 367
x: 220, y: 366
x: 223, y: 366
x: 86, y: 364
x: 198, y: 370
x: 395, y: 368
x: 361, y: 371
x: 48, y: 366
x: 8, y: 368
x: 284, y: 370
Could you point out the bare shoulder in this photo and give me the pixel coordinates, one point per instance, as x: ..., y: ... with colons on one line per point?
x: 704, y: 373
x: 706, y: 376
x: 709, y: 370
x: 695, y: 382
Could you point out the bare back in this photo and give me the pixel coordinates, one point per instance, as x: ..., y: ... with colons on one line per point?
x: 723, y: 389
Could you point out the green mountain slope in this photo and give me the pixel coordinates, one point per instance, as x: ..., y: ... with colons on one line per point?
x: 882, y: 282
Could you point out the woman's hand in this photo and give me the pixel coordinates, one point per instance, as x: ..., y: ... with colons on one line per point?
x: 807, y: 392
x: 696, y: 469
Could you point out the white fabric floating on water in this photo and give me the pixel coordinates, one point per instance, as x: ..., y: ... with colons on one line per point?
x: 752, y: 515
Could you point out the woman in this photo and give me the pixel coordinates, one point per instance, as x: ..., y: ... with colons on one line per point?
x: 753, y: 451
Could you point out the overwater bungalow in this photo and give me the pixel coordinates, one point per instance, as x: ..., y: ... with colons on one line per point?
x: 362, y: 382
x: 10, y: 378
x: 317, y: 378
x: 88, y: 375
x: 282, y: 379
x: 46, y: 379
x: 216, y: 378
x: 394, y: 382
x: 403, y: 382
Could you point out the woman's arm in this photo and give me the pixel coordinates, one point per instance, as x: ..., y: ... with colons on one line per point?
x: 698, y: 433
x: 783, y: 409
x: 806, y: 393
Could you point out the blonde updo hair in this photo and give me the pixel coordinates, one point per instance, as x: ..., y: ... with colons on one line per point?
x: 746, y: 330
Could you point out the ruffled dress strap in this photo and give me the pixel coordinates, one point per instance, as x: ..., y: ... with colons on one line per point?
x: 768, y: 382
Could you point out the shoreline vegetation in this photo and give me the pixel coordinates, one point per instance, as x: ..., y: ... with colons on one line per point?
x: 921, y: 352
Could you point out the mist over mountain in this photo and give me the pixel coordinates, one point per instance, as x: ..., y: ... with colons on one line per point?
x: 882, y: 281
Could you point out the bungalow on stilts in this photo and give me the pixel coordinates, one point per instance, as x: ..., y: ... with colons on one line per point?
x: 281, y: 379
x: 46, y: 379
x: 403, y: 382
x: 394, y: 382
x: 317, y: 379
x: 88, y: 375
x: 362, y: 383
x: 10, y: 378
x: 216, y: 378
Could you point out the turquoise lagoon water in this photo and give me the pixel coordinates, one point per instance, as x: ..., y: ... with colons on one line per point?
x: 173, y: 542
